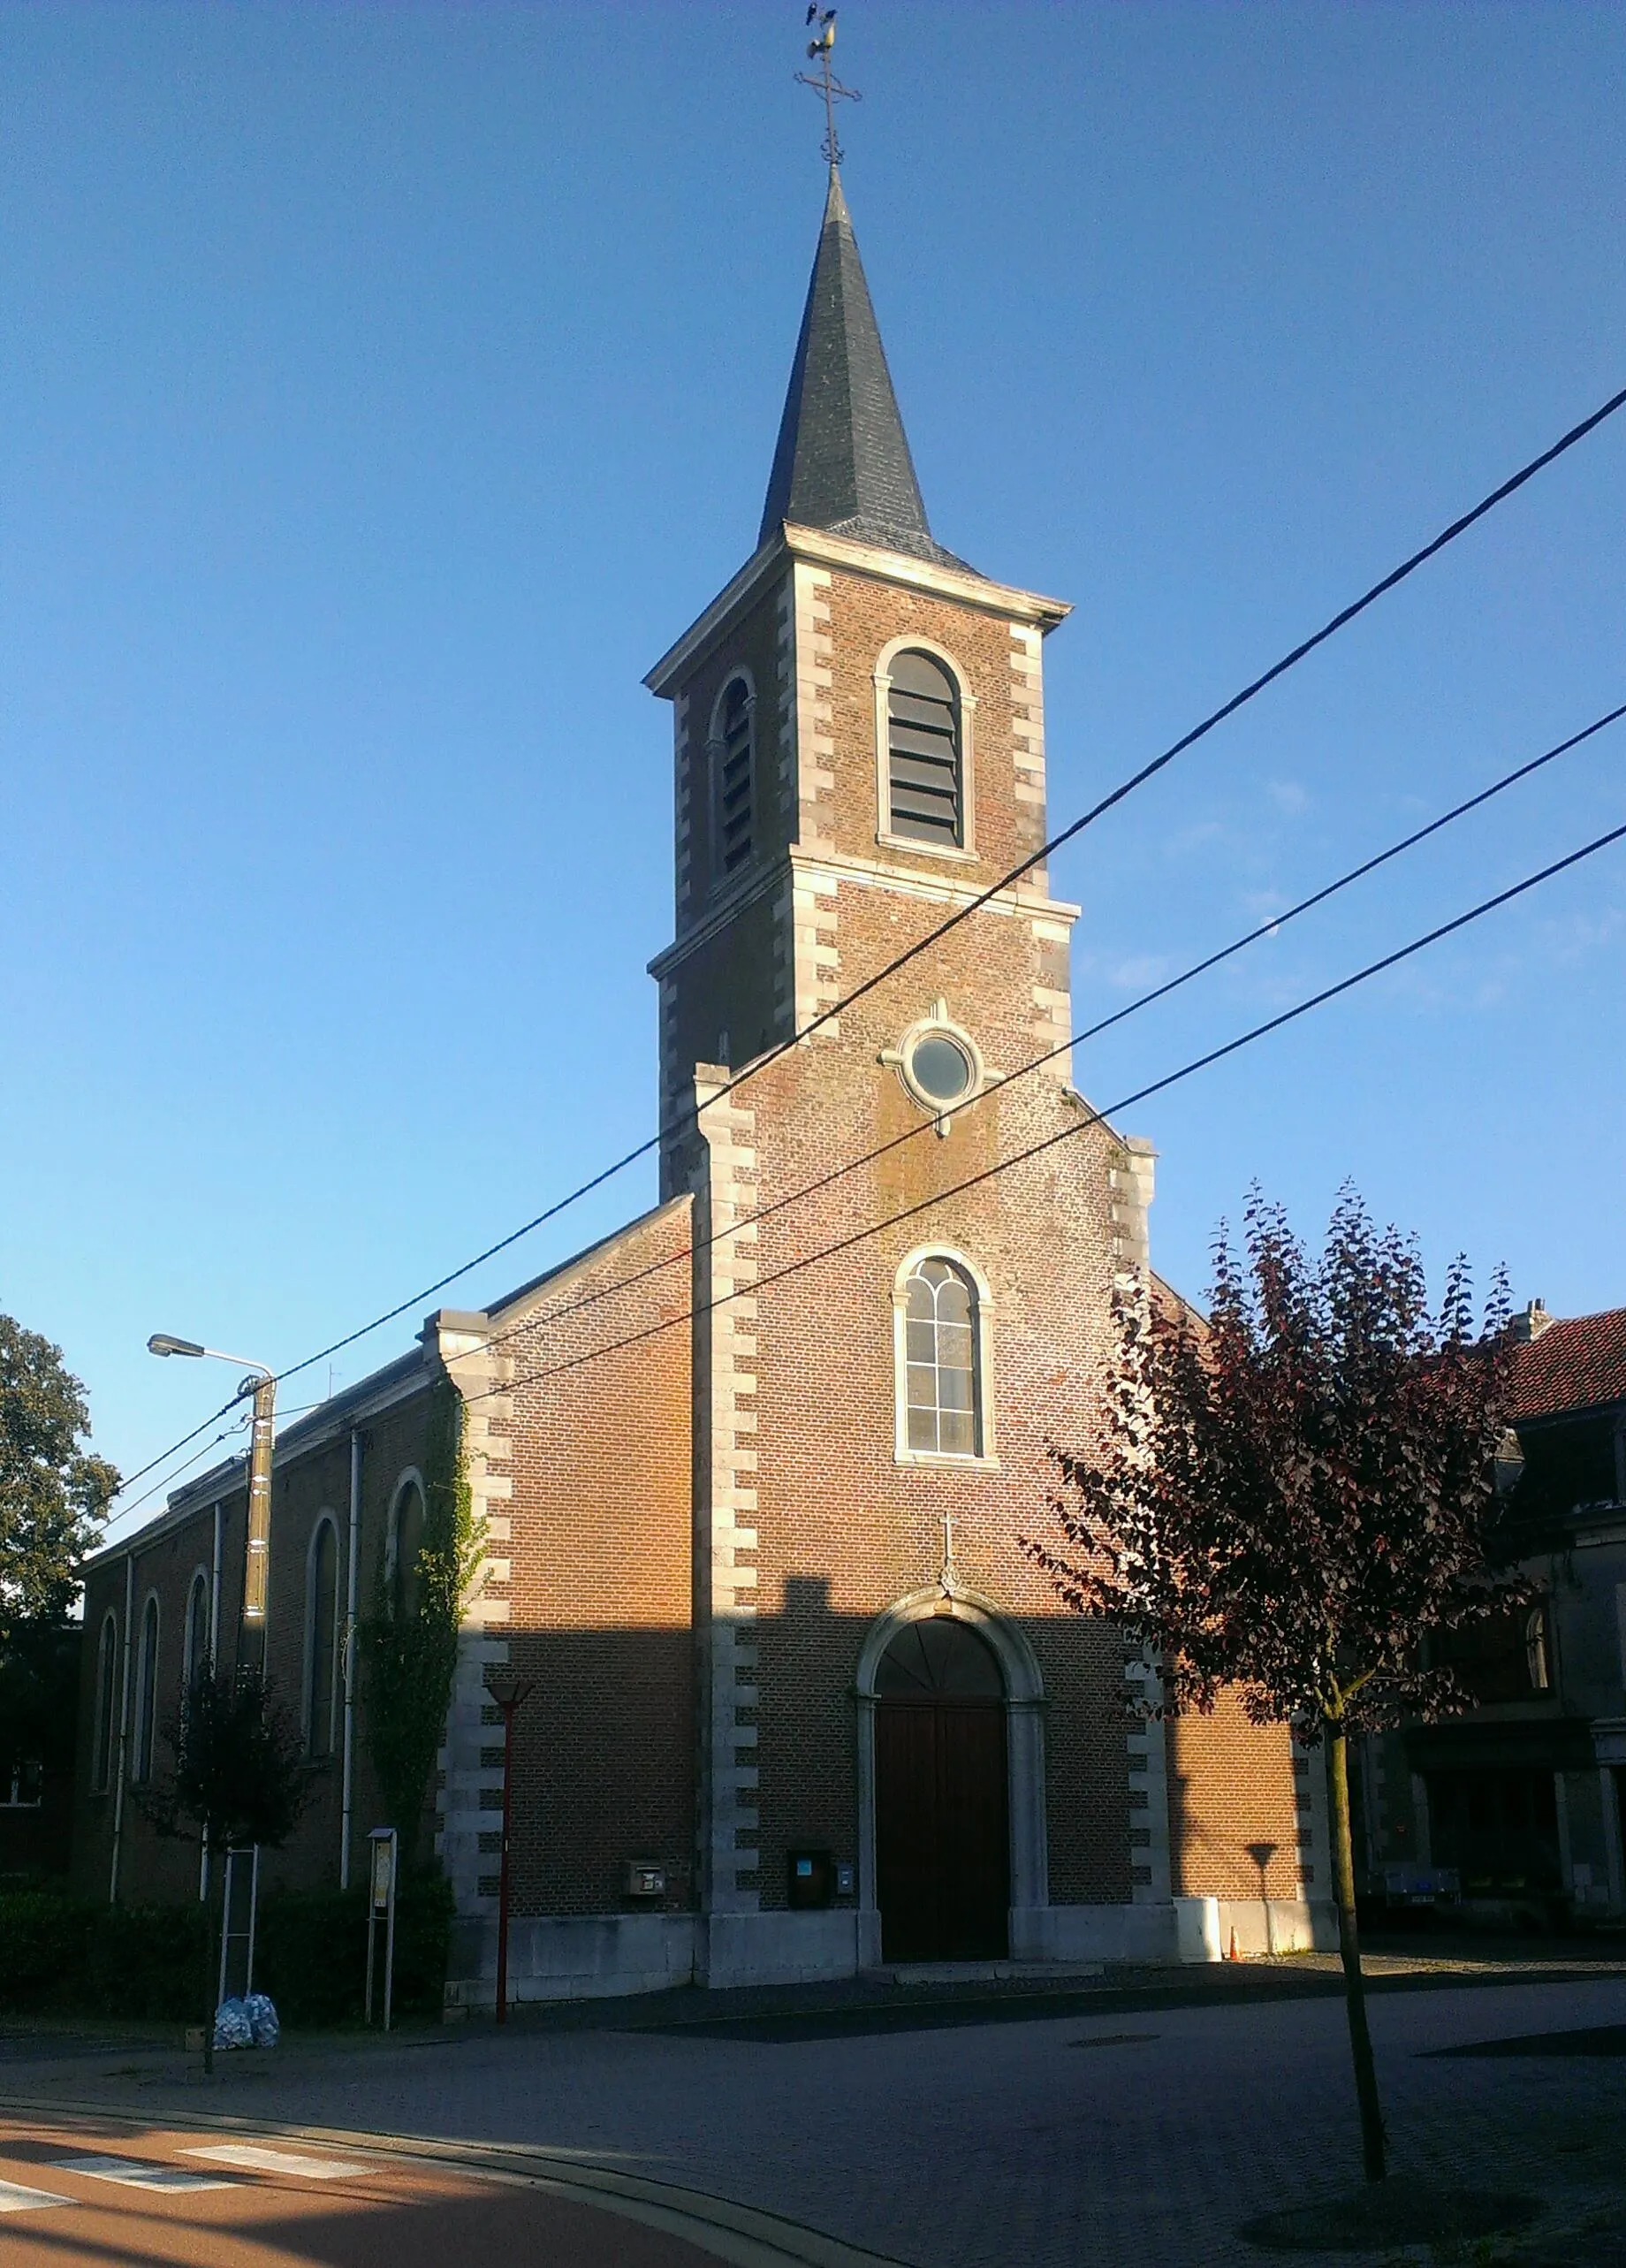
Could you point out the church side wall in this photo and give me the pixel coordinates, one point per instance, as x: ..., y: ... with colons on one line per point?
x: 595, y: 1451
x: 1247, y: 1830
x: 304, y: 1488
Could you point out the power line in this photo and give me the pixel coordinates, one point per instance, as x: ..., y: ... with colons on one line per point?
x: 1067, y: 1133
x: 1290, y: 660
x: 224, y: 1434
x: 1077, y: 1039
x: 165, y: 1454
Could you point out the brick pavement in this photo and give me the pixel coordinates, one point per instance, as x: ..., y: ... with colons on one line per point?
x: 1047, y: 2142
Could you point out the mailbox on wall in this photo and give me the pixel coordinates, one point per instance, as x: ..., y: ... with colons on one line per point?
x: 811, y: 1879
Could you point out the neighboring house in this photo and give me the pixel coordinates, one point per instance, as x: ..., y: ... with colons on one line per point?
x: 39, y: 1678
x: 1522, y: 1797
x: 756, y: 1470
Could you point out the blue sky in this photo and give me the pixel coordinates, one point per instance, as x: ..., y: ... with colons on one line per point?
x: 383, y: 388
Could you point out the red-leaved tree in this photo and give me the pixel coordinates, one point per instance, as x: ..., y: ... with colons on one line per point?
x: 1289, y: 1497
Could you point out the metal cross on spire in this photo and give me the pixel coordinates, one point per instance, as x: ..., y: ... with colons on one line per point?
x: 826, y: 82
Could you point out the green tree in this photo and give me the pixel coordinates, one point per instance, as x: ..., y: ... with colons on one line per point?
x: 240, y: 1778
x: 53, y: 1504
x: 409, y: 1640
x: 1287, y: 1499
x: 53, y: 1495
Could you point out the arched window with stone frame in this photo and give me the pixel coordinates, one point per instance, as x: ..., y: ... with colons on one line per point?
x: 924, y: 712
x: 322, y: 1636
x: 732, y: 746
x: 941, y: 1314
x: 404, y: 1543
x: 195, y: 1659
x: 107, y: 1706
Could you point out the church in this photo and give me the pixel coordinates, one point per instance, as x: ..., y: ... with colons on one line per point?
x: 752, y: 1476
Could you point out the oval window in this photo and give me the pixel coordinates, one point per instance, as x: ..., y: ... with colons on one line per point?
x: 940, y: 1069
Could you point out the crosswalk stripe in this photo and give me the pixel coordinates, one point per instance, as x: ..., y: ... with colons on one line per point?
x: 16, y: 2199
x: 135, y: 2174
x: 259, y: 2159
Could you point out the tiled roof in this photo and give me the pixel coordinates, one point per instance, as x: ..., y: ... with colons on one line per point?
x: 843, y: 461
x: 1574, y: 1364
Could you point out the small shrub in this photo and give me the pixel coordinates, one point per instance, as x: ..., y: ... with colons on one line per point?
x: 43, y: 1946
x: 143, y: 1963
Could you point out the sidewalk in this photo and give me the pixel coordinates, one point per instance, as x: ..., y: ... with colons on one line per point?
x: 1143, y: 2117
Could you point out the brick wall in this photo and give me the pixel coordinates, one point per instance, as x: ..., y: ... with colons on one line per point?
x: 1232, y: 1783
x: 598, y: 1599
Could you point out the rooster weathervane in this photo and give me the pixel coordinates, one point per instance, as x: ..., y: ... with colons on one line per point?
x: 826, y: 82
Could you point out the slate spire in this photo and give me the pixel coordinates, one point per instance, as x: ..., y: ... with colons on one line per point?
x: 843, y: 462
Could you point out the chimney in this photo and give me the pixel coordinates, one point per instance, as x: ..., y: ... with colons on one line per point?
x: 1528, y: 1327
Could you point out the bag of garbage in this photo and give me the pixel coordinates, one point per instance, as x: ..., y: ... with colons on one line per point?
x: 261, y: 2013
x: 233, y: 2026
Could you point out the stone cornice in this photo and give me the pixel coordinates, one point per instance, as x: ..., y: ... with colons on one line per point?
x: 789, y: 543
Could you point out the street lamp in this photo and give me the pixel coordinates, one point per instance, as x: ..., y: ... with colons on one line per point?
x: 256, y: 1563
x: 509, y: 1691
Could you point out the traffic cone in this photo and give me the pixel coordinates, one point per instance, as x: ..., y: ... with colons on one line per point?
x: 1232, y: 1955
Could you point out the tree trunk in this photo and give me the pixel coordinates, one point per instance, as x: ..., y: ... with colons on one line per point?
x: 1350, y: 1953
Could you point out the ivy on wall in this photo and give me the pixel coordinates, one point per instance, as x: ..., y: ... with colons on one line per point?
x: 409, y: 1655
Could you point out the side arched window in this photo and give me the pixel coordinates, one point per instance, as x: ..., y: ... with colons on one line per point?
x: 924, y: 766
x: 406, y: 1544
x: 320, y: 1637
x: 197, y: 1665
x: 107, y: 1707
x: 147, y: 1692
x: 942, y: 1401
x: 735, y: 770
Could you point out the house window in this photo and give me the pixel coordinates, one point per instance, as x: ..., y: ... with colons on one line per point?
x: 322, y: 1638
x: 107, y: 1707
x: 1536, y: 1650
x: 147, y: 1691
x: 22, y: 1787
x: 196, y: 1664
x: 925, y: 787
x: 406, y: 1544
x: 942, y: 1400
x: 734, y: 767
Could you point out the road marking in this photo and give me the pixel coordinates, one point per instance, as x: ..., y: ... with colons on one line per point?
x: 15, y: 2199
x: 261, y: 2160
x: 133, y: 2173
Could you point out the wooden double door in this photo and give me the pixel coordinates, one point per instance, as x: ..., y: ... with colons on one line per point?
x: 942, y: 1814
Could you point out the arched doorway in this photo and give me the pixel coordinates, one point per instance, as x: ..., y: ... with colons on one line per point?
x: 942, y: 1811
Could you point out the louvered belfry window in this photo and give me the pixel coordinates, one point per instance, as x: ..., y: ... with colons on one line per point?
x: 733, y: 779
x: 924, y: 752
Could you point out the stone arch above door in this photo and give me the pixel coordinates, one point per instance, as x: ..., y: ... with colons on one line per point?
x: 1025, y: 1689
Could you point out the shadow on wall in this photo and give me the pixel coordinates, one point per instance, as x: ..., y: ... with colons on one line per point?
x: 605, y: 1753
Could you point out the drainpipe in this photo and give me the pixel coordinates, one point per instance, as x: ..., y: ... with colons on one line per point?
x: 349, y: 1658
x: 124, y: 1730
x: 214, y: 1589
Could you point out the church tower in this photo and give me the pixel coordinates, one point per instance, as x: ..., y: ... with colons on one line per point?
x: 857, y: 703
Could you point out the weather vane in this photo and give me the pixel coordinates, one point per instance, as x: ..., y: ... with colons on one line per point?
x: 826, y: 83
